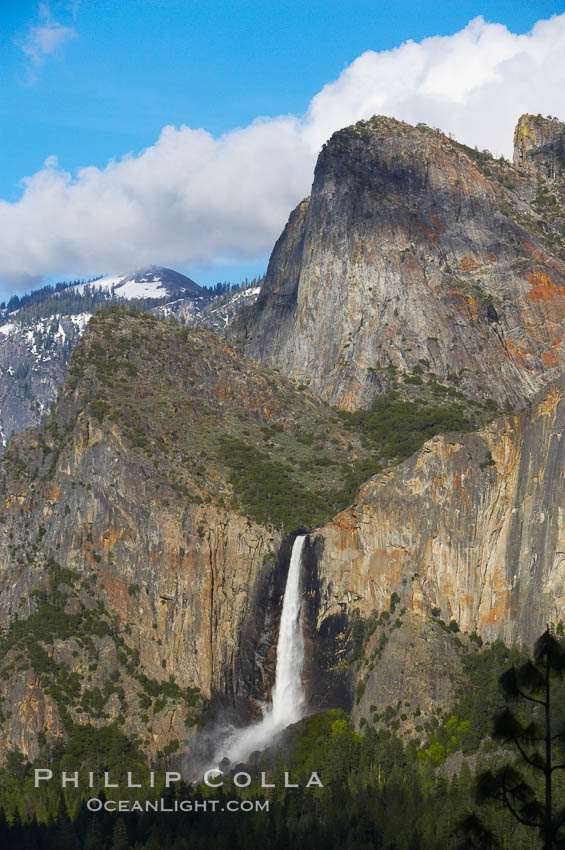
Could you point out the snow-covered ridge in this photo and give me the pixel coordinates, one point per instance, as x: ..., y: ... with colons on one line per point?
x: 42, y: 326
x: 34, y: 350
x: 151, y: 282
x: 33, y: 363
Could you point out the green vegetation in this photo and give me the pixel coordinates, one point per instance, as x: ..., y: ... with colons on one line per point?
x: 370, y: 781
x: 361, y: 631
x: 396, y: 427
x: 209, y: 443
x: 267, y: 488
x: 533, y: 723
x: 30, y: 643
x: 473, y: 290
x: 294, y: 478
x: 468, y: 723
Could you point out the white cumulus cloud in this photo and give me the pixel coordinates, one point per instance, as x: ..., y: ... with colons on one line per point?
x: 193, y: 198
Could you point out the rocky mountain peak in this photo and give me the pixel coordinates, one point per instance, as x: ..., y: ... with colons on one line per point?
x: 414, y: 252
x: 539, y: 145
x: 147, y: 282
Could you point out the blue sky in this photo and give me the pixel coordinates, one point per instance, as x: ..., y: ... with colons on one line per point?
x: 91, y: 81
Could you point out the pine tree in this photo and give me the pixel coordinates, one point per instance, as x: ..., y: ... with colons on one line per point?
x: 533, y: 723
x: 120, y: 835
x: 94, y: 839
x: 65, y: 837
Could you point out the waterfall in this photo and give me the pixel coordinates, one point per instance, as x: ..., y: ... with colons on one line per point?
x: 288, y: 695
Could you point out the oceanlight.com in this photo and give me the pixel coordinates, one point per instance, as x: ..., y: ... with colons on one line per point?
x: 95, y: 804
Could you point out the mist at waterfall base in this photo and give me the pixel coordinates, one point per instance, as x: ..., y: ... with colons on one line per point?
x: 235, y: 745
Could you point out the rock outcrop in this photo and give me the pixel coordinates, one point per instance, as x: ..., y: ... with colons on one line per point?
x: 471, y: 528
x: 33, y: 363
x: 412, y: 249
x: 539, y: 146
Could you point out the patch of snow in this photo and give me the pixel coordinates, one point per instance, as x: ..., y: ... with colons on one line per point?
x: 105, y: 284
x: 7, y: 328
x: 80, y: 320
x: 123, y: 286
x: 60, y: 335
x: 141, y: 289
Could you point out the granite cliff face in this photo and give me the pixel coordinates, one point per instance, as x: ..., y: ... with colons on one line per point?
x: 33, y: 362
x: 539, y: 146
x: 413, y: 249
x: 471, y: 530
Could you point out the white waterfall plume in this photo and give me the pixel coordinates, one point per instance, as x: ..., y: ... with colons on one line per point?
x: 288, y: 695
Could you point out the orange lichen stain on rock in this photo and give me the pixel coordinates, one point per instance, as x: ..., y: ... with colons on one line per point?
x: 550, y: 357
x: 464, y: 303
x: 501, y: 599
x: 457, y: 295
x: 497, y: 613
x: 437, y: 483
x: 543, y: 287
x: 548, y: 404
x: 468, y: 264
x: 516, y: 351
x: 53, y: 495
x: 81, y: 434
x: 527, y: 246
x: 116, y: 591
x: 450, y: 447
x: 427, y: 230
x: 113, y: 535
x: 345, y: 523
x: 460, y: 489
x: 465, y: 600
x: 542, y: 258
x: 492, y: 258
x: 14, y: 499
x: 350, y: 399
x: 436, y: 223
